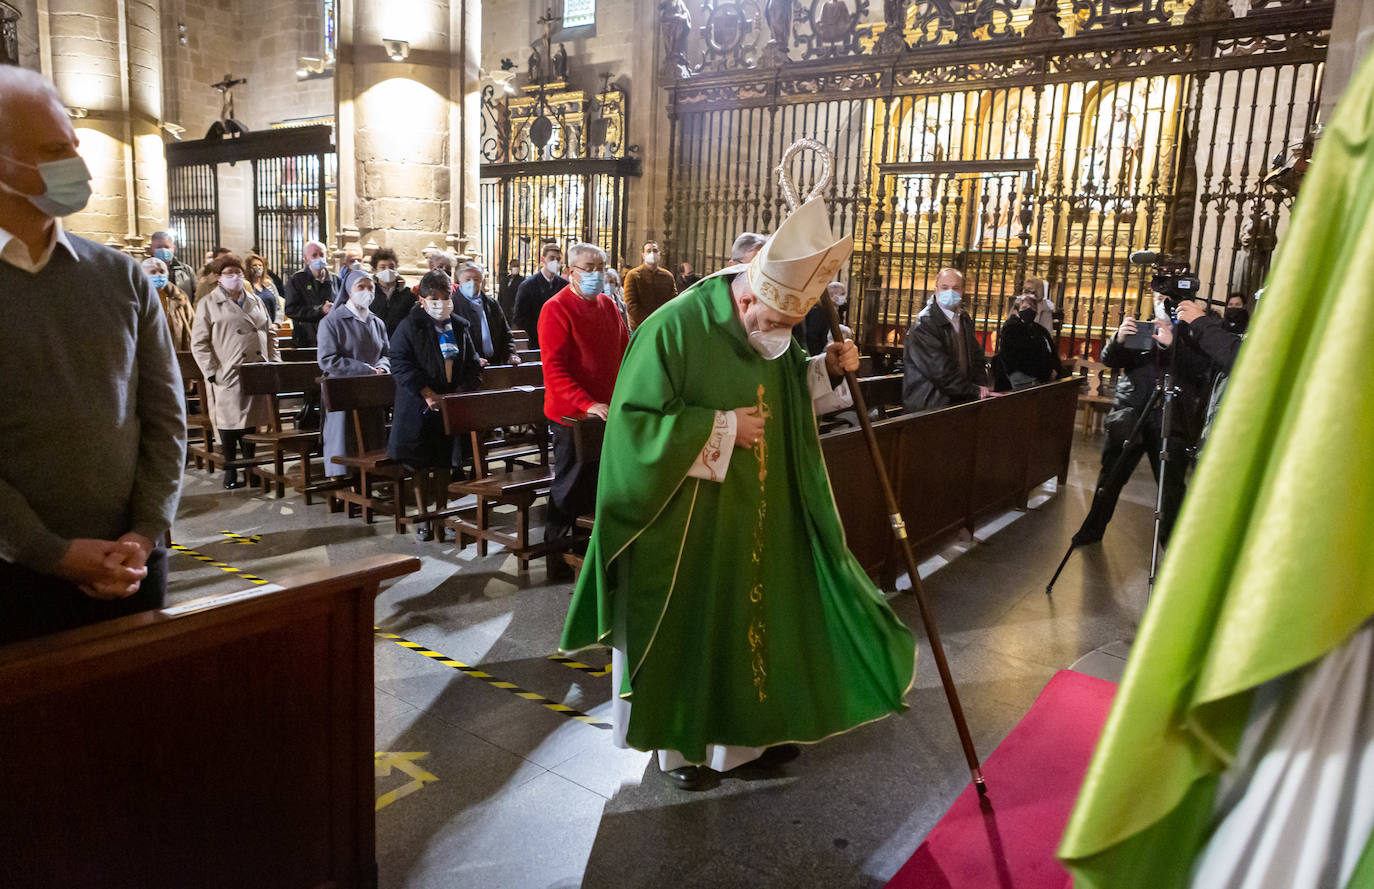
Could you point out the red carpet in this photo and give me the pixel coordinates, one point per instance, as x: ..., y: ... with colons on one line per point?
x: 1033, y: 778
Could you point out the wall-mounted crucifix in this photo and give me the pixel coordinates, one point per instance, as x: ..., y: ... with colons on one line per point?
x: 226, y: 125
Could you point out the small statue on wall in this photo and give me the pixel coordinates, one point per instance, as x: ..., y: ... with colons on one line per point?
x: 560, y: 63
x: 677, y: 25
x: 535, y: 66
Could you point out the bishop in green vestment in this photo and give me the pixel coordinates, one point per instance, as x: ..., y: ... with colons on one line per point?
x: 718, y: 569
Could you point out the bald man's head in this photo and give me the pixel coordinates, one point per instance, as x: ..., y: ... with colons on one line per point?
x: 950, y: 279
x: 26, y: 199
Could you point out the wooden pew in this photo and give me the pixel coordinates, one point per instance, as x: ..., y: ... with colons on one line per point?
x: 883, y: 392
x: 201, y: 450
x: 949, y: 467
x: 508, y: 376
x: 378, y: 483
x: 517, y: 444
x: 529, y: 356
x: 276, y: 380
x: 290, y: 355
x: 476, y: 414
x: 221, y: 744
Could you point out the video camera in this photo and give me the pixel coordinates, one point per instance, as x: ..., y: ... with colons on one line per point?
x: 1172, y: 277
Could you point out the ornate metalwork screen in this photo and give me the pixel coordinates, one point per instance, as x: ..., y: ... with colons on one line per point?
x: 1008, y: 138
x: 293, y: 176
x: 559, y: 204
x: 193, y: 205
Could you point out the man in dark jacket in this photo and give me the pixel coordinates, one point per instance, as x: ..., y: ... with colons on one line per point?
x: 164, y: 248
x: 1142, y: 370
x: 486, y: 322
x: 538, y: 289
x: 310, y: 295
x: 1220, y: 340
x: 510, y: 284
x: 943, y: 360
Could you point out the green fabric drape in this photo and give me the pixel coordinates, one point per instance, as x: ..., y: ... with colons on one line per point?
x: 1271, y: 565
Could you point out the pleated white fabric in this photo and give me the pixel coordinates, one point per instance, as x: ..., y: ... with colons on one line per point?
x: 720, y: 757
x: 1296, y: 809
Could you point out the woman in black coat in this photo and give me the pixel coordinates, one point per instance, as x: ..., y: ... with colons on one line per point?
x: 431, y: 355
x: 1027, y: 352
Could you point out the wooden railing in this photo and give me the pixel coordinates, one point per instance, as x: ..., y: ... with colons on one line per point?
x: 221, y: 743
x: 949, y: 467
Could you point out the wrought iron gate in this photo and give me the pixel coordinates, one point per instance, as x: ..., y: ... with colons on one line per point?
x: 525, y: 206
x: 193, y: 205
x: 293, y: 175
x: 976, y: 134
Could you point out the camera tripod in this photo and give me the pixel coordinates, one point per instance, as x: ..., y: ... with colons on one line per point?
x: 1164, y: 393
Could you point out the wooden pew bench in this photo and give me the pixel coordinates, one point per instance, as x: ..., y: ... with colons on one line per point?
x: 220, y: 744
x: 199, y: 449
x: 377, y: 483
x: 475, y: 414
x: 282, y: 441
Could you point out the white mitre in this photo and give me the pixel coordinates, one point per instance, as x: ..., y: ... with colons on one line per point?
x: 794, y: 266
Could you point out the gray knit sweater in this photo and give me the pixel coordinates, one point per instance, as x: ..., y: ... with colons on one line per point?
x: 92, y: 426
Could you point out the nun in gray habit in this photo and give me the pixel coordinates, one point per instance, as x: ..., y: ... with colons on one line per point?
x: 352, y: 343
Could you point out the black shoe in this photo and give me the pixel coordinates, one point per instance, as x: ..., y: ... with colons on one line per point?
x: 1086, y: 539
x: 425, y: 532
x: 778, y: 755
x: 692, y: 778
x: 231, y: 481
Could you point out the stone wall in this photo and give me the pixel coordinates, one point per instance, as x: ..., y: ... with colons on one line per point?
x: 28, y: 33
x: 624, y: 42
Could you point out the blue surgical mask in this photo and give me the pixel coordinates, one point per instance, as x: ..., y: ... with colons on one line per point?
x: 949, y: 299
x: 158, y: 281
x: 163, y: 253
x: 592, y: 283
x: 316, y: 264
x: 468, y: 289
x: 66, y: 186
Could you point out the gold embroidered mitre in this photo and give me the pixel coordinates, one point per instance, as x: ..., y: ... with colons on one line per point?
x: 792, y: 270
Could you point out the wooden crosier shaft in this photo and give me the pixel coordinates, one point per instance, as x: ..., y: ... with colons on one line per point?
x: 899, y: 529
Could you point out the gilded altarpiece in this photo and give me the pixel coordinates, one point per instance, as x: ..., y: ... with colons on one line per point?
x: 1012, y: 139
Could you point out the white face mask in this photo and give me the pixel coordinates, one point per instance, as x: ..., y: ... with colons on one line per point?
x: 438, y: 309
x: 361, y: 298
x: 386, y: 276
x: 771, y: 345
x: 231, y: 283
x: 553, y: 266
x: 66, y: 186
x: 1162, y: 311
x: 651, y: 257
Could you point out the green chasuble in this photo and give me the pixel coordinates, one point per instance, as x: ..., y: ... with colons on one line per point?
x: 1271, y: 565
x: 743, y: 617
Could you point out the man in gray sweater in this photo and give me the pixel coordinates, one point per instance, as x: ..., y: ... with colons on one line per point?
x: 92, y: 428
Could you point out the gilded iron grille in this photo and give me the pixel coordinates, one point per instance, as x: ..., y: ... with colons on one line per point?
x: 525, y: 210
x: 1013, y: 158
x: 193, y: 206
x: 290, y: 197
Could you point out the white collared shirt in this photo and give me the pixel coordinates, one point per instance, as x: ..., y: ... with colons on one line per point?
x: 953, y: 316
x: 16, y: 252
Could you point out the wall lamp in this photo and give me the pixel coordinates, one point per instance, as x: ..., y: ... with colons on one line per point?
x: 308, y: 67
x: 396, y: 50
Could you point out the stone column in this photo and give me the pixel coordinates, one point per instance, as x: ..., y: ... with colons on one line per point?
x: 401, y: 127
x: 465, y: 125
x: 1352, y: 35
x: 106, y: 60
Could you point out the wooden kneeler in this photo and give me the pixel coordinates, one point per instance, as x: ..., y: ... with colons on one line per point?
x: 474, y: 414
x: 275, y: 380
x: 377, y: 482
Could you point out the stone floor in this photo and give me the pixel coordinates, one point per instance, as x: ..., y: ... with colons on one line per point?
x: 526, y: 797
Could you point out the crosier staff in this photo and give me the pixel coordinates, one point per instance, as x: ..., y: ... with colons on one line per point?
x: 893, y: 512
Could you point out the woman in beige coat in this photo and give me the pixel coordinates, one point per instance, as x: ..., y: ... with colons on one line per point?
x: 176, y: 306
x: 232, y: 328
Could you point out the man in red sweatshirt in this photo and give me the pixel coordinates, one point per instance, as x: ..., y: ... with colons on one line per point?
x: 581, y: 341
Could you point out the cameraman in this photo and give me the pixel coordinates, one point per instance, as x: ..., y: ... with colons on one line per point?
x: 1142, y: 371
x: 1220, y: 341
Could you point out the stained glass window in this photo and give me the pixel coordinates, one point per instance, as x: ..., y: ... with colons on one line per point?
x: 579, y: 12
